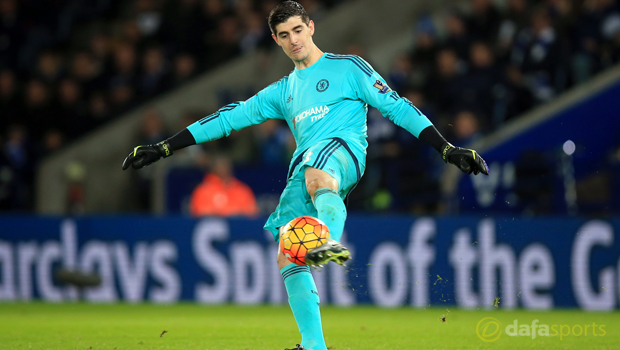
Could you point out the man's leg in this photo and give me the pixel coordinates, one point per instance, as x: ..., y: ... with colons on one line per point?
x: 323, y: 189
x: 303, y: 298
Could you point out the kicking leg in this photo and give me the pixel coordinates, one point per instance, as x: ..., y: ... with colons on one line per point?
x: 323, y: 189
x: 303, y: 298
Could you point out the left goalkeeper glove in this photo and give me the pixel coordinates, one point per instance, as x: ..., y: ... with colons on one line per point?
x: 468, y: 160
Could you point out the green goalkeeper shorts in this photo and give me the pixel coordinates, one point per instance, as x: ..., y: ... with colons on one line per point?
x: 335, y: 157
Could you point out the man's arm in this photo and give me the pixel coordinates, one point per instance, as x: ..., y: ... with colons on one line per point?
x: 372, y: 89
x: 235, y: 116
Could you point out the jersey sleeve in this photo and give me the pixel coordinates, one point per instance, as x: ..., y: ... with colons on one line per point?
x: 371, y: 88
x: 239, y: 115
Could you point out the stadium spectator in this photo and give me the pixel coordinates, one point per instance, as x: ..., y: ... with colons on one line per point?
x: 466, y: 128
x: 457, y: 36
x: 155, y: 77
x: 517, y: 96
x: 9, y: 99
x: 98, y: 108
x: 227, y: 44
x: 515, y: 20
x: 212, y: 12
x: 49, y: 67
x: 19, y: 168
x: 71, y: 110
x: 184, y: 69
x: 256, y: 33
x: 151, y: 130
x: 447, y: 83
x: 221, y: 194
x: 148, y: 18
x: 86, y: 72
x: 426, y: 47
x: 53, y: 140
x: 537, y: 53
x: 152, y: 127
x: 125, y: 64
x: 181, y: 25
x: 122, y: 97
x: 483, y: 84
x: 401, y: 73
x: 12, y: 33
x: 484, y: 20
x: 37, y: 109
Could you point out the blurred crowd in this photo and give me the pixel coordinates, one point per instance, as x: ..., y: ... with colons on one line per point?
x: 470, y: 72
x: 69, y: 66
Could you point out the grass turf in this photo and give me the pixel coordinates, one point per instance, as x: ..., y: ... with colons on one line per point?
x: 191, y: 326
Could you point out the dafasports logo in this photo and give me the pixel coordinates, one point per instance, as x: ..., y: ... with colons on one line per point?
x: 315, y: 113
x: 490, y: 329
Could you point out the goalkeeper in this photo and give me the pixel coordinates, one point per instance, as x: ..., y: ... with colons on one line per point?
x: 324, y: 101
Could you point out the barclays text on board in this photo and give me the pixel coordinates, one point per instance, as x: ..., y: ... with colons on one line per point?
x: 469, y: 262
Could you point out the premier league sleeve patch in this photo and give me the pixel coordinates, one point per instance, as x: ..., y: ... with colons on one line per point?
x: 383, y: 88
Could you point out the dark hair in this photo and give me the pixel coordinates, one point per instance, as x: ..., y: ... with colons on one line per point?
x: 284, y: 11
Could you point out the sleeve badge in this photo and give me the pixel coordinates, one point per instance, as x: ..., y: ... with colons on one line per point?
x: 383, y: 88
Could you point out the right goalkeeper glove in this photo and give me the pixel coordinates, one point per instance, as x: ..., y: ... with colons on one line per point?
x: 468, y: 160
x: 142, y: 156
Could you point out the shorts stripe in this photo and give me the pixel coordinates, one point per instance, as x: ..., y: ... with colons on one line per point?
x: 295, y: 163
x: 322, y: 163
x: 357, y: 166
x: 322, y: 153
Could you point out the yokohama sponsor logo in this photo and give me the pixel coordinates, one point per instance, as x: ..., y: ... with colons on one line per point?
x: 315, y: 113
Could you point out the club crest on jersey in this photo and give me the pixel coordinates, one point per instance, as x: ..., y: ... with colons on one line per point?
x: 383, y: 89
x: 322, y: 85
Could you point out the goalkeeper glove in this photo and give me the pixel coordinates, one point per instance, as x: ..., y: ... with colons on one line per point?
x: 142, y: 156
x: 468, y: 160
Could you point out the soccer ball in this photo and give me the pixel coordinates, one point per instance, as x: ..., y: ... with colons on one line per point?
x: 301, y: 235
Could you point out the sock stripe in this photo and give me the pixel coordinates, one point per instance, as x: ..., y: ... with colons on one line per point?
x: 295, y: 273
x: 323, y: 191
x: 292, y: 274
x: 295, y: 270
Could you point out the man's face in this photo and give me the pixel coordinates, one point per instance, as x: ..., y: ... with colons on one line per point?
x: 295, y: 38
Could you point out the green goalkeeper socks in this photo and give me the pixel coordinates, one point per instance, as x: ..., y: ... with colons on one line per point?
x: 304, y: 301
x: 332, y: 211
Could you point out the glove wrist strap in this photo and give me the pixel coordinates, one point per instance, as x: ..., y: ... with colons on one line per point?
x: 164, y: 149
x: 446, y: 149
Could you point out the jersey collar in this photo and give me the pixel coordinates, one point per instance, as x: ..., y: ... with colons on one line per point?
x: 307, y: 72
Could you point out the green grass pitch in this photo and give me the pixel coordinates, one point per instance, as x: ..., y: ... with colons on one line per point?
x: 192, y: 326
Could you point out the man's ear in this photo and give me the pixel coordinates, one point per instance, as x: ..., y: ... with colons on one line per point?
x: 311, y: 26
x: 275, y: 38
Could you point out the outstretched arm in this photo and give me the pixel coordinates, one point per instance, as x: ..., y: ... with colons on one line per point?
x: 372, y: 89
x: 235, y: 116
